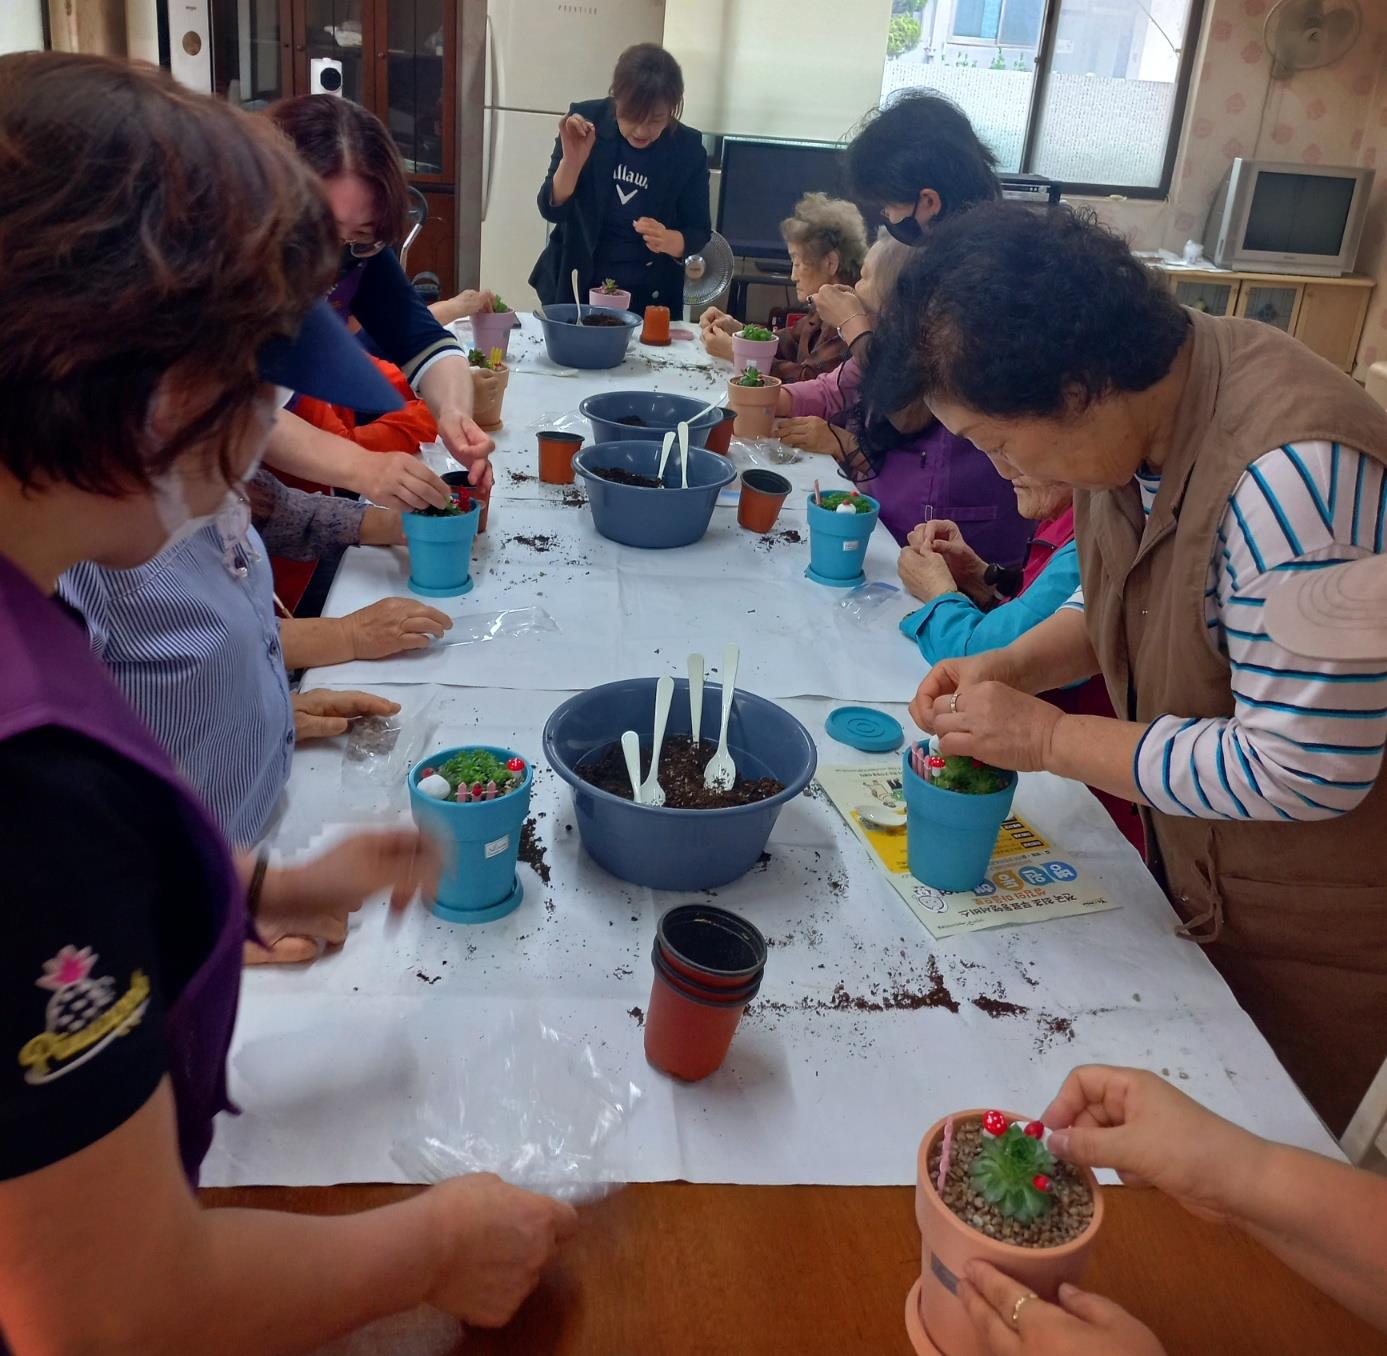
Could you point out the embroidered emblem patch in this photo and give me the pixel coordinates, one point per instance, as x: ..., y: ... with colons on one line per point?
x: 83, y: 1016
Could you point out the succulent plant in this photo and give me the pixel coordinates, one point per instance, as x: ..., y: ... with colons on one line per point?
x: 1012, y: 1169
x: 968, y: 776
x: 751, y: 377
x: 609, y: 287
x: 756, y: 333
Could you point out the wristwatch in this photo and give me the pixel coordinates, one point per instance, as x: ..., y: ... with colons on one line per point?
x: 1003, y: 580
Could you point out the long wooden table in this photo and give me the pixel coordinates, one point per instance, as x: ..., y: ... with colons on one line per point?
x: 677, y: 1270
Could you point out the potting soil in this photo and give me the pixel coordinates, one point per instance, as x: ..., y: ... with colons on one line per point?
x: 1067, y: 1218
x: 633, y: 421
x: 618, y: 475
x: 607, y: 321
x: 681, y: 776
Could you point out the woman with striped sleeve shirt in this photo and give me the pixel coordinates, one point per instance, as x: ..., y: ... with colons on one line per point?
x: 1213, y: 461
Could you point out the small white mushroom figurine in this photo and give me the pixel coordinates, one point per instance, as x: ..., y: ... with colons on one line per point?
x: 435, y: 787
x: 845, y: 507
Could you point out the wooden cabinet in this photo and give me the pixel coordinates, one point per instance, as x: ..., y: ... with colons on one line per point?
x: 396, y: 57
x: 1325, y: 314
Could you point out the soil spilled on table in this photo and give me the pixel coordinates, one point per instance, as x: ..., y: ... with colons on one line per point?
x: 1069, y: 1215
x: 788, y: 536
x: 573, y: 499
x: 532, y: 851
x: 618, y: 475
x: 681, y: 776
x: 537, y: 542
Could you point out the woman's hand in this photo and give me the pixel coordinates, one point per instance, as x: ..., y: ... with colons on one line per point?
x: 837, y: 303
x: 956, y: 675
x: 809, y: 433
x: 468, y: 442
x: 323, y: 712
x: 941, y: 535
x: 303, y: 907
x: 498, y: 1239
x: 393, y: 625
x: 382, y: 527
x: 467, y: 302
x: 577, y: 136
x: 1081, y: 1324
x: 715, y: 319
x: 398, y: 480
x: 658, y: 237
x: 1154, y: 1135
x: 717, y: 343
x: 924, y: 573
x: 997, y: 724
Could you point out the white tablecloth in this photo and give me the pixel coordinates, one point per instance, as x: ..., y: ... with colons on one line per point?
x: 865, y: 1030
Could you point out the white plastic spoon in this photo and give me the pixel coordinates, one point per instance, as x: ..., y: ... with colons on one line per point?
x: 881, y: 816
x: 683, y: 428
x: 696, y: 697
x: 652, y: 793
x: 631, y: 748
x: 664, y: 457
x: 577, y: 301
x: 721, y: 772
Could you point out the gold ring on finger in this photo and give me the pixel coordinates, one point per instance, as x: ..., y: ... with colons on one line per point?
x: 953, y: 703
x: 1016, y: 1308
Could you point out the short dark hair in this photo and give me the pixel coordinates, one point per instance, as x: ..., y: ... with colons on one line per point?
x: 1008, y: 310
x: 336, y: 137
x: 145, y: 231
x: 646, y: 77
x: 921, y: 140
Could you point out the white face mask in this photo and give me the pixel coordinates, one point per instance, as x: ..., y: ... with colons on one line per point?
x: 232, y: 515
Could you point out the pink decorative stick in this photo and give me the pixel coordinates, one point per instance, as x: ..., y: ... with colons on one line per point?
x: 816, y: 494
x: 945, y: 1154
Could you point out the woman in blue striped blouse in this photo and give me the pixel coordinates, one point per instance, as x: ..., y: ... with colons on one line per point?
x: 1213, y: 461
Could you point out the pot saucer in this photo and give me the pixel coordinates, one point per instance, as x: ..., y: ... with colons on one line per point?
x: 914, y: 1328
x: 508, y: 905
x: 442, y: 593
x: 811, y: 573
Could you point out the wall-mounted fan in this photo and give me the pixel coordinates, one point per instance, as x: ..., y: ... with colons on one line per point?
x: 1304, y: 34
x: 707, y: 275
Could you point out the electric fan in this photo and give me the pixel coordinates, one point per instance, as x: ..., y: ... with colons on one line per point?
x: 707, y: 275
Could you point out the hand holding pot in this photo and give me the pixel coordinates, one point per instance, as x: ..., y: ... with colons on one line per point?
x: 497, y: 1240
x: 1081, y: 1324
x: 399, y: 480
x: 393, y: 625
x: 999, y: 725
x: 808, y: 433
x: 1154, y: 1135
x: 925, y: 574
x: 956, y: 675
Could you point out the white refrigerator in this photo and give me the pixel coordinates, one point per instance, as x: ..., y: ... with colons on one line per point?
x: 538, y: 56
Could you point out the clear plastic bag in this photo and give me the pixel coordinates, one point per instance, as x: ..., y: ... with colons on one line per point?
x: 532, y: 1106
x: 381, y: 749
x: 565, y: 421
x: 474, y: 628
x: 865, y: 600
x: 765, y: 452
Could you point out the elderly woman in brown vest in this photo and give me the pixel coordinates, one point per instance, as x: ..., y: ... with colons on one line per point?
x: 1213, y: 461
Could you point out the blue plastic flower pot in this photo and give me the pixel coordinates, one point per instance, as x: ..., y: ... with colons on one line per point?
x: 440, y: 551
x: 676, y: 849
x: 587, y: 346
x: 650, y: 518
x: 950, y: 836
x: 480, y: 843
x: 658, y: 411
x: 838, y: 543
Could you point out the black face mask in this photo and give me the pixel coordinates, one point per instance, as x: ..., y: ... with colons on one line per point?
x: 907, y: 230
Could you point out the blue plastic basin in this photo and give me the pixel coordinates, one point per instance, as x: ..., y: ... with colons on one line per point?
x: 651, y: 518
x: 586, y: 346
x: 950, y: 836
x: 440, y: 551
x: 838, y: 542
x: 676, y: 849
x: 480, y: 843
x: 660, y: 411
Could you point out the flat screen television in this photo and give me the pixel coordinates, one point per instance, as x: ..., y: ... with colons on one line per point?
x: 761, y: 183
x: 1272, y: 217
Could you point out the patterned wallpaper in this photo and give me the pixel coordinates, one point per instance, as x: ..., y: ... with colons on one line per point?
x: 1336, y: 115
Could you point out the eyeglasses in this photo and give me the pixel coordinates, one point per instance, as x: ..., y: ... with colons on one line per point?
x: 364, y: 250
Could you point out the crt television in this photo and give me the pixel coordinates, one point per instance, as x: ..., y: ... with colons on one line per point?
x: 1272, y: 217
x: 761, y: 183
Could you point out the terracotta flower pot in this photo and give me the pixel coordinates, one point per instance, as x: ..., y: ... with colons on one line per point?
x: 757, y: 353
x: 720, y: 439
x: 611, y: 301
x: 688, y: 1027
x: 755, y: 407
x: 556, y: 453
x: 763, y: 492
x: 488, y: 392
x: 947, y: 1245
x: 458, y: 481
x: 656, y: 328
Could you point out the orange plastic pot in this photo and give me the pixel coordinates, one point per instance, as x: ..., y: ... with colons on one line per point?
x: 720, y: 439
x: 763, y: 492
x: 947, y: 1245
x: 712, y: 947
x: 458, y: 481
x: 689, y: 1036
x: 556, y: 453
x: 656, y: 327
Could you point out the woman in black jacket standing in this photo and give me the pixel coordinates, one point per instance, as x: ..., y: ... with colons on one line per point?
x: 627, y: 188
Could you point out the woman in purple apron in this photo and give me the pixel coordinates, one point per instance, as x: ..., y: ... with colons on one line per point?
x: 162, y: 253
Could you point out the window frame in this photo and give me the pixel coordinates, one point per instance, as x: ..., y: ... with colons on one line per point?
x: 1049, y: 32
x: 969, y: 40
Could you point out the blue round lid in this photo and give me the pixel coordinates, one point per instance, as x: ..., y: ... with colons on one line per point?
x: 865, y: 729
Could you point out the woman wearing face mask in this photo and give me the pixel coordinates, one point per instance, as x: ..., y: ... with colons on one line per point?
x: 916, y: 162
x: 627, y: 189
x: 202, y: 244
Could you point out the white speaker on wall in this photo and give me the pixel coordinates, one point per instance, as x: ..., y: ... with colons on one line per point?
x: 190, y: 43
x: 325, y: 76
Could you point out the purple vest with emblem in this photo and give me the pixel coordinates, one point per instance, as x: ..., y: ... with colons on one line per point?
x: 49, y: 677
